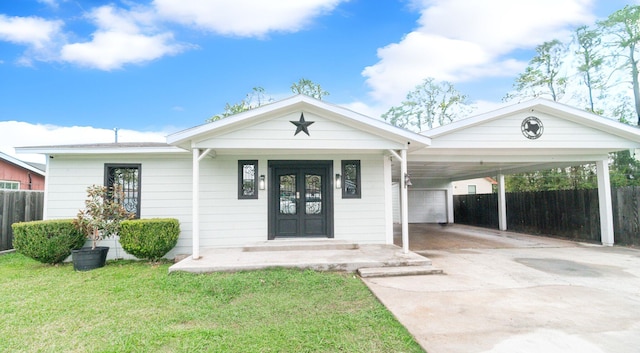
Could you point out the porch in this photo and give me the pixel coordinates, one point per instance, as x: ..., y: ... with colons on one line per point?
x: 315, y: 254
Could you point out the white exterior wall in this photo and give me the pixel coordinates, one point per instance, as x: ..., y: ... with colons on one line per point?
x: 225, y: 220
x: 165, y: 189
x: 483, y: 186
x: 362, y: 220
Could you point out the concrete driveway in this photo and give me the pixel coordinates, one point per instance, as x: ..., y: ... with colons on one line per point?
x: 508, y: 292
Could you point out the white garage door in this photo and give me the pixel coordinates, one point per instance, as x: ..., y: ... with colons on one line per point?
x: 427, y: 206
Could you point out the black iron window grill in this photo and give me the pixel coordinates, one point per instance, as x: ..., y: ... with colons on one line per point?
x: 127, y: 178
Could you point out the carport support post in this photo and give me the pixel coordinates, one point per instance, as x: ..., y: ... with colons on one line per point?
x: 404, y: 200
x: 502, y: 204
x: 605, y: 203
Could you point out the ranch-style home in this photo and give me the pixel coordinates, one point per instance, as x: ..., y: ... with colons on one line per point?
x: 303, y: 168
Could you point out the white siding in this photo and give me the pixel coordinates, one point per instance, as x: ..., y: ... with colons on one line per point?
x: 506, y: 133
x: 362, y: 220
x: 165, y: 189
x: 278, y: 133
x: 225, y: 220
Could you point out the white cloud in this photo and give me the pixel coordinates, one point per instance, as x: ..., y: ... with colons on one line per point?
x: 461, y: 40
x: 20, y: 134
x: 246, y: 18
x: 122, y: 37
x: 35, y: 32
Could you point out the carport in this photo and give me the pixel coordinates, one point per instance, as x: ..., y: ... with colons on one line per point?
x: 524, y: 137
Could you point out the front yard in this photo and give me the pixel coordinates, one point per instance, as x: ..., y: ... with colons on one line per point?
x: 138, y: 307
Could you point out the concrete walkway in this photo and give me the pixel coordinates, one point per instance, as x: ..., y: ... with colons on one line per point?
x: 508, y: 292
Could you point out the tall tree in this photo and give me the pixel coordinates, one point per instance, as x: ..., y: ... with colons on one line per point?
x: 543, y: 75
x: 590, y: 62
x: 309, y: 88
x: 624, y: 26
x: 430, y: 104
x: 258, y: 97
x: 253, y: 99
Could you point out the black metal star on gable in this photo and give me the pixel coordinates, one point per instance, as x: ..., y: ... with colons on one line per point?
x: 302, y: 125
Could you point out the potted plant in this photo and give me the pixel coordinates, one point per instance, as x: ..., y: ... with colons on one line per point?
x: 99, y: 219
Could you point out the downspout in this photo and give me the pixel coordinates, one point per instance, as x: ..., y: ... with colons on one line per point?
x: 195, y: 202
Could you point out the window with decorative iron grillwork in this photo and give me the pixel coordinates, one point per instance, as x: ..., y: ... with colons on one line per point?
x: 248, y: 179
x: 351, y: 183
x: 127, y: 177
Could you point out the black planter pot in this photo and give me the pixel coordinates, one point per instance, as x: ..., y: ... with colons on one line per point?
x: 86, y: 259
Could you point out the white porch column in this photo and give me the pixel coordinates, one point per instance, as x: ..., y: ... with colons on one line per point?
x: 605, y: 203
x: 404, y: 202
x: 195, y: 205
x: 502, y: 204
x: 388, y: 199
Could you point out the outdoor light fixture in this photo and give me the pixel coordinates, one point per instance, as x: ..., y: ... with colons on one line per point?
x: 261, y: 183
x: 407, y: 180
x: 338, y: 181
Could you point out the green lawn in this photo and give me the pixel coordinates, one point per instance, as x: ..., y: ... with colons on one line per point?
x: 139, y: 307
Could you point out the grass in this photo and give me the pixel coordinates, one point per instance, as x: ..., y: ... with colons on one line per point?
x: 139, y: 307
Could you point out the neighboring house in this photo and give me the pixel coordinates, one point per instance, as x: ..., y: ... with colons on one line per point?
x: 474, y: 186
x: 302, y: 168
x: 19, y: 175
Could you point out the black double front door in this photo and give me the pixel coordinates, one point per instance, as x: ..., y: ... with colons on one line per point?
x: 300, y: 201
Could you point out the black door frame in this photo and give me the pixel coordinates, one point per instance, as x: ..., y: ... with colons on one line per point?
x: 273, y: 199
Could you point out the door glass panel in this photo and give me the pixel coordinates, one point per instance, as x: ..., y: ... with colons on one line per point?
x: 313, y: 193
x: 288, y: 194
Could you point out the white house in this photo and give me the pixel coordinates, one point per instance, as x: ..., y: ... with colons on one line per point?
x: 301, y: 168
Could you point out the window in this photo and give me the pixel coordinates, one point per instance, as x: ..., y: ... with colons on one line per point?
x: 248, y: 179
x: 126, y: 176
x: 9, y: 185
x: 471, y: 189
x: 351, y: 183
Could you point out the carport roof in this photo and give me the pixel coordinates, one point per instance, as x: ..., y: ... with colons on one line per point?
x: 496, y: 143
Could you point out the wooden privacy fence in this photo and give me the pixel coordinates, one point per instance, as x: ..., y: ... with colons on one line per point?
x: 18, y: 206
x: 567, y: 213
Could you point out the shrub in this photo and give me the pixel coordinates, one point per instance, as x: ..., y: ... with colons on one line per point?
x: 49, y: 241
x: 149, y: 239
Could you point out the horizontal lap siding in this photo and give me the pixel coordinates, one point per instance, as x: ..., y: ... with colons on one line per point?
x: 280, y: 133
x: 363, y: 220
x: 165, y: 189
x: 226, y: 220
x: 506, y: 133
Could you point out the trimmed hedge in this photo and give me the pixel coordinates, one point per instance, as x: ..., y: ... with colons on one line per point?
x: 149, y: 239
x: 48, y: 241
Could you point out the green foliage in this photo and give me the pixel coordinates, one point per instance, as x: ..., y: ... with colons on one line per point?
x: 149, y: 238
x: 576, y: 177
x: 542, y: 76
x: 252, y: 100
x: 149, y: 310
x: 624, y: 170
x: 430, y: 104
x: 102, y: 214
x: 309, y: 88
x: 258, y: 97
x: 47, y: 241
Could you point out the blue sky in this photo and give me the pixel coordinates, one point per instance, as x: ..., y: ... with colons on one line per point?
x: 72, y: 70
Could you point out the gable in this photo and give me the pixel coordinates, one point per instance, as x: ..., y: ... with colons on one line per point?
x: 270, y: 127
x: 280, y: 133
x: 507, y: 133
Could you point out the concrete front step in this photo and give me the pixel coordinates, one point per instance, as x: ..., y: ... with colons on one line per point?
x: 393, y: 271
x: 300, y: 245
